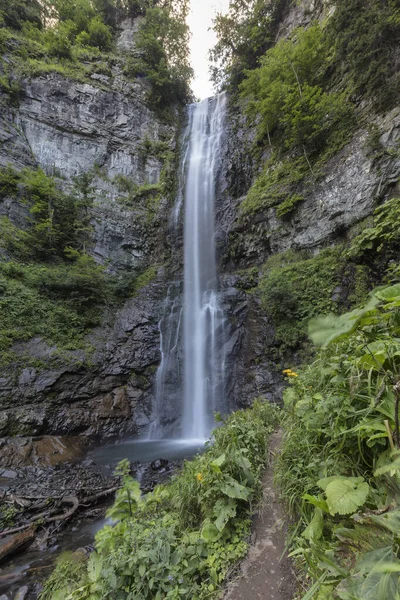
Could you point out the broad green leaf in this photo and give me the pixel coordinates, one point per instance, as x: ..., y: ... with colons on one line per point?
x: 233, y: 489
x: 330, y: 328
x: 217, y: 463
x: 315, y: 528
x: 389, y: 294
x: 94, y: 567
x: 389, y: 520
x: 345, y: 496
x: 374, y: 361
x: 387, y: 567
x: 375, y: 586
x: 289, y: 397
x: 323, y: 483
x: 390, y: 468
x: 318, y: 502
x: 209, y: 532
x: 224, y: 511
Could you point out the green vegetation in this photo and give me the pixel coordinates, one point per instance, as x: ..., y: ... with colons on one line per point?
x: 303, y: 122
x: 244, y: 34
x: 278, y: 185
x: 77, y: 39
x: 296, y: 286
x: 58, y: 303
x: 286, y: 91
x: 302, y: 93
x: 146, y: 197
x: 339, y: 466
x: 59, y: 223
x: 180, y: 540
x: 49, y: 286
x: 144, y: 279
x: 163, y: 42
x: 364, y: 55
x: 382, y: 238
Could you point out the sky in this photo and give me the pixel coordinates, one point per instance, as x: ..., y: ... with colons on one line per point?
x: 199, y: 21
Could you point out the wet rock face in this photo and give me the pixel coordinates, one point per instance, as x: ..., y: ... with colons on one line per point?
x: 112, y: 397
x: 71, y: 126
x: 68, y: 128
x: 353, y: 184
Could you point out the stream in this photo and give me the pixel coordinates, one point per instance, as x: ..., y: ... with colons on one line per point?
x: 33, y: 566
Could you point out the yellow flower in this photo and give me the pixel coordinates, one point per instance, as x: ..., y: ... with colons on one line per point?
x: 287, y: 371
x: 199, y: 477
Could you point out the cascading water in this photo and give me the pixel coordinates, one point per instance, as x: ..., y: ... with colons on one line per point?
x: 168, y: 373
x: 203, y: 318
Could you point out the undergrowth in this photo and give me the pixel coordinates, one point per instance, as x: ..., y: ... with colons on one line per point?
x: 296, y: 286
x: 50, y: 287
x: 339, y: 469
x: 180, y: 540
x: 308, y: 93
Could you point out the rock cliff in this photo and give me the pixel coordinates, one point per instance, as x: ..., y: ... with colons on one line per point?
x: 69, y: 128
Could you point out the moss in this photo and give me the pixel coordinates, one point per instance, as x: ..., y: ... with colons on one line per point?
x: 279, y: 180
x: 296, y: 286
x: 289, y: 205
x: 153, y: 149
x: 249, y: 279
x: 144, y: 279
x: 381, y: 237
x: 58, y: 303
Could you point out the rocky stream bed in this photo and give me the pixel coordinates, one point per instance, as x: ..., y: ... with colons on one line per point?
x: 56, y: 500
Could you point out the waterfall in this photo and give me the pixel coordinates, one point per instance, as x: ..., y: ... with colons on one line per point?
x: 168, y: 373
x: 198, y: 313
x: 203, y: 318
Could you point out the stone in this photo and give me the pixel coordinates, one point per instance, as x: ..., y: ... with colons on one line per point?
x: 8, y: 474
x: 22, y: 593
x: 160, y: 463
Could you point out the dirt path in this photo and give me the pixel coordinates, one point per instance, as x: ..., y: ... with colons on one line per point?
x: 264, y: 574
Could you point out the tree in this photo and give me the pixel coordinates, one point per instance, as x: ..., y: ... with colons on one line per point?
x: 14, y: 13
x: 244, y: 34
x: 163, y: 40
x: 366, y: 36
x: 286, y: 92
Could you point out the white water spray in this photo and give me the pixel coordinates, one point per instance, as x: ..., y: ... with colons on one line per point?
x: 203, y: 317
x: 199, y: 313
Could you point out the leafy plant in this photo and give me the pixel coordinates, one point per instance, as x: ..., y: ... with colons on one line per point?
x: 181, y: 539
x: 296, y: 286
x: 383, y: 237
x: 340, y: 452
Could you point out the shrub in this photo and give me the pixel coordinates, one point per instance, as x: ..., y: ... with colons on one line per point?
x: 58, y: 220
x: 58, y: 303
x: 297, y: 287
x: 365, y: 54
x: 9, y: 180
x: 180, y: 540
x: 383, y: 238
x: 339, y: 468
x: 58, y: 45
x: 98, y: 34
